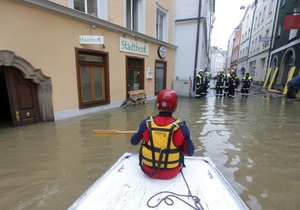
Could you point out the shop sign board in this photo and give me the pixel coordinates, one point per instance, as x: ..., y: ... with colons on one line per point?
x: 291, y: 22
x: 132, y: 46
x: 83, y: 39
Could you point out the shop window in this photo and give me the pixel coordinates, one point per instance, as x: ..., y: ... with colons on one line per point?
x: 92, y: 74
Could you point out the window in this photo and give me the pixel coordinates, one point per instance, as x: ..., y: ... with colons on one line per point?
x: 92, y: 79
x: 86, y: 6
x: 161, y: 23
x: 259, y: 19
x: 132, y: 14
x: 263, y: 14
x: 160, y: 76
x: 271, y: 3
x: 278, y: 30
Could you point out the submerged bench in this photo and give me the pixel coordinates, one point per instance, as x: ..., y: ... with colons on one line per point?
x: 135, y: 97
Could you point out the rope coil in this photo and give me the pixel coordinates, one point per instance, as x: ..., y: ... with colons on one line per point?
x: 168, y: 199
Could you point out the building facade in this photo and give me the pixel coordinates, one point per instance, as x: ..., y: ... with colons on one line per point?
x: 273, y: 43
x: 193, y: 25
x: 236, y: 48
x: 65, y: 58
x: 217, y: 62
x: 285, y: 49
x: 262, y: 27
x: 246, y: 23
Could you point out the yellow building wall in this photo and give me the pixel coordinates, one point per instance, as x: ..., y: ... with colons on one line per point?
x: 48, y: 42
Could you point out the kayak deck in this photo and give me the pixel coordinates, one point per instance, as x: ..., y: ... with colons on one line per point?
x: 125, y: 186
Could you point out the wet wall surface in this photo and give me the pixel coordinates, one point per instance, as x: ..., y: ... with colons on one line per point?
x: 254, y: 142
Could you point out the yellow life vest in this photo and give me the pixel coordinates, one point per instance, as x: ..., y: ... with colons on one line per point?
x: 160, y: 152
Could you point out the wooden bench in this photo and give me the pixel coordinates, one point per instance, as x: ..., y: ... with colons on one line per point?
x: 136, y: 97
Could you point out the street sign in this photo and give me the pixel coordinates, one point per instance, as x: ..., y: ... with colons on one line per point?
x: 264, y: 39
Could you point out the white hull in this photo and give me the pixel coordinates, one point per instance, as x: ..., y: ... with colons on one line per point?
x: 125, y: 186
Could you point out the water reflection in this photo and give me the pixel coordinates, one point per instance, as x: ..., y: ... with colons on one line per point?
x: 254, y: 142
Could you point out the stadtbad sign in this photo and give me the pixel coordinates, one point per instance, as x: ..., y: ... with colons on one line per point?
x: 131, y: 46
x: 91, y: 39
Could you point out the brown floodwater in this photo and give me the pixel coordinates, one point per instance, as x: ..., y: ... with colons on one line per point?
x: 254, y: 142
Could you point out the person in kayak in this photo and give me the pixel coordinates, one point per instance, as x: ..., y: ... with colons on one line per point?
x: 165, y: 139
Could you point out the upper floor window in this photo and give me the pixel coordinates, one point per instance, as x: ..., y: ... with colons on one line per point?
x: 263, y: 14
x: 161, y: 23
x: 86, y: 6
x: 293, y: 32
x: 271, y: 3
x: 97, y: 8
x: 278, y: 31
x: 132, y: 14
x: 267, y: 33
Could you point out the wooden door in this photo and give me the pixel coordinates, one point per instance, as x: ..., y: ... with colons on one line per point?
x: 135, y: 74
x: 23, y: 100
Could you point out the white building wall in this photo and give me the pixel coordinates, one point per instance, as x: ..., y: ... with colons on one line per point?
x: 246, y: 23
x: 185, y: 37
x: 185, y: 53
x: 262, y: 28
x: 217, y: 62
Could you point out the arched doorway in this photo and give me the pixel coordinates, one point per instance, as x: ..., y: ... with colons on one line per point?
x: 26, y: 91
x: 287, y: 63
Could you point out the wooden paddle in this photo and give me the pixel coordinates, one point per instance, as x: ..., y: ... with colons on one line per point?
x: 103, y: 133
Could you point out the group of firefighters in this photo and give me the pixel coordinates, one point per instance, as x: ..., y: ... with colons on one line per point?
x: 226, y: 84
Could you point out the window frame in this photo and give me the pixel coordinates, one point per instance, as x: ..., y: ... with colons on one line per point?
x: 164, y: 14
x: 105, y: 79
x: 101, y: 7
x: 132, y: 14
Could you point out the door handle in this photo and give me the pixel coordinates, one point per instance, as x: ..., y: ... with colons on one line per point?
x: 27, y: 114
x: 17, y: 116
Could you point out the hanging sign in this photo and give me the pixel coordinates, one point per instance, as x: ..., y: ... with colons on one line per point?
x: 291, y: 22
x: 91, y: 39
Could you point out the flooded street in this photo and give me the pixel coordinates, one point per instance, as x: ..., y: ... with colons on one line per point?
x: 254, y: 142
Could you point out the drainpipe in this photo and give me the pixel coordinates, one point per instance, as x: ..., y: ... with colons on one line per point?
x: 197, y: 40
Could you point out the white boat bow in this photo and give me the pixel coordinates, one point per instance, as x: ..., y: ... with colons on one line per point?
x: 125, y: 186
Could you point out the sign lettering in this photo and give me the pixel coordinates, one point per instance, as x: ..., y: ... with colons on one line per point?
x: 131, y: 46
x: 91, y: 39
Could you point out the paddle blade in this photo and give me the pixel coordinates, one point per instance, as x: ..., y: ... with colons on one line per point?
x: 110, y: 133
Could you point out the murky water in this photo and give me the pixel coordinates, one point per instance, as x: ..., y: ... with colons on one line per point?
x: 254, y: 142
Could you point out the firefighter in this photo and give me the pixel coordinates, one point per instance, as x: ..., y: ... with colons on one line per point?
x: 199, y: 83
x: 226, y: 84
x: 220, y: 84
x: 205, y: 84
x: 234, y: 82
x: 246, y: 81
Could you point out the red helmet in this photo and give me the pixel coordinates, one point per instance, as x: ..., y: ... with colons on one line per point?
x: 167, y: 100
